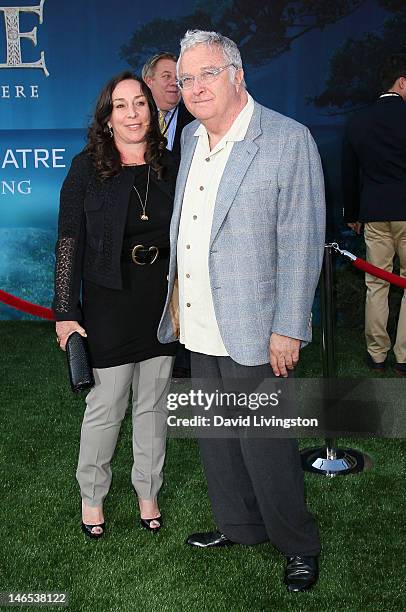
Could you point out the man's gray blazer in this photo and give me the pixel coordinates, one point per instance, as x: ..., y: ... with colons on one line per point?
x: 267, y: 236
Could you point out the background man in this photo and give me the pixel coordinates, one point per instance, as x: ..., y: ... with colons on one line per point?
x: 374, y: 190
x: 159, y: 73
x: 247, y: 237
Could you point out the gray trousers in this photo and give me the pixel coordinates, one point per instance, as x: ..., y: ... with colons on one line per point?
x: 255, y: 485
x: 106, y: 405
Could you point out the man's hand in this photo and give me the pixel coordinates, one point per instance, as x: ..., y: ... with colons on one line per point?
x: 283, y: 354
x: 356, y: 227
x: 64, y: 329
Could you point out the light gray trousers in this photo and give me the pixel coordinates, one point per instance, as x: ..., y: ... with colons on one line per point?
x: 106, y: 405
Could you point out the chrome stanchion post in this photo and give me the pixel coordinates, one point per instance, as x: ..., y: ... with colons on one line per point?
x: 328, y: 328
x: 329, y: 460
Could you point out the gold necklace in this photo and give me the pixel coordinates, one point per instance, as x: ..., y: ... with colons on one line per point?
x: 143, y: 216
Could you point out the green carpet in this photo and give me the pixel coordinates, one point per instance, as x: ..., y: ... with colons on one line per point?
x: 361, y: 517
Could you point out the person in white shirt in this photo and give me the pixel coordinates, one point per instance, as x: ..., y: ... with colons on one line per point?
x: 247, y: 239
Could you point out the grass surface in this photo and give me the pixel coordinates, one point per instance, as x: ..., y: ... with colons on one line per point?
x: 361, y: 517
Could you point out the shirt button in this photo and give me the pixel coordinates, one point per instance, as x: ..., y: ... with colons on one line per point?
x: 207, y: 159
x: 188, y: 304
x: 201, y: 188
x: 188, y: 246
x: 195, y: 217
x: 187, y: 275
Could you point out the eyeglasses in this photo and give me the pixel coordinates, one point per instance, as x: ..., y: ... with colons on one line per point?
x: 207, y: 76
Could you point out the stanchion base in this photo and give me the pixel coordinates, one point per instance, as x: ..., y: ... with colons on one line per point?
x: 334, y: 462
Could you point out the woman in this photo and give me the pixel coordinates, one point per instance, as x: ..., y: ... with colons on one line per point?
x: 113, y: 243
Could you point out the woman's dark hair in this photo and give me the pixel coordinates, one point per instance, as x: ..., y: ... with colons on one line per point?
x: 100, y: 144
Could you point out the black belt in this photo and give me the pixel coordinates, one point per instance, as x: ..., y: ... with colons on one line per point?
x: 141, y: 255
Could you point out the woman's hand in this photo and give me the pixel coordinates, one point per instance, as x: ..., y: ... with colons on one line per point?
x: 64, y: 329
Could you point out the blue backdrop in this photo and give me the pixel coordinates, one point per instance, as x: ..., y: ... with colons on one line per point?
x: 308, y: 60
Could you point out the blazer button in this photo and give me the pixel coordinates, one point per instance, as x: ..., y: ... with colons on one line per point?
x: 188, y: 305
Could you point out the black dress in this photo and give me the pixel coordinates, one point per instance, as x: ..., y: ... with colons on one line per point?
x: 122, y: 324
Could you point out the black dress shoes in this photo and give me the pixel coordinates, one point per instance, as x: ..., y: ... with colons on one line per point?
x: 301, y: 573
x: 375, y: 365
x: 400, y: 369
x: 211, y: 539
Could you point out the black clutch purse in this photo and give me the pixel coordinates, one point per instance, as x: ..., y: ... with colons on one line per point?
x: 80, y: 370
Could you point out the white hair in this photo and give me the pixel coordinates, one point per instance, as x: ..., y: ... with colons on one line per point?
x: 228, y: 47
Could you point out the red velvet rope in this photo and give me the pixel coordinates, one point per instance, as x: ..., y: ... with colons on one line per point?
x: 394, y: 279
x: 46, y: 313
x: 28, y: 307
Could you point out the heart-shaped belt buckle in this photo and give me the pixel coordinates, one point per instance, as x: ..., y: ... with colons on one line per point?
x: 155, y: 257
x: 134, y: 255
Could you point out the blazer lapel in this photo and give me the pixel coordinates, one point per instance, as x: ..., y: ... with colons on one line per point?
x: 241, y: 156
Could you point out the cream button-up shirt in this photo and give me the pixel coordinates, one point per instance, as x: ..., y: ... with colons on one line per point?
x: 199, y: 331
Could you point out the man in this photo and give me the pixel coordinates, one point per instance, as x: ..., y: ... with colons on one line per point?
x: 374, y: 190
x: 249, y: 211
x: 159, y: 73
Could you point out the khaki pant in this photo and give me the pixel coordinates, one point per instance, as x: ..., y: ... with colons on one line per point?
x: 106, y: 406
x: 383, y: 240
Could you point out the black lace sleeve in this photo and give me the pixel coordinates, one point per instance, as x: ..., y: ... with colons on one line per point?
x: 70, y: 244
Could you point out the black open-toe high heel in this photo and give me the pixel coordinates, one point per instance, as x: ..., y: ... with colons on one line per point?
x: 87, y: 529
x: 146, y: 523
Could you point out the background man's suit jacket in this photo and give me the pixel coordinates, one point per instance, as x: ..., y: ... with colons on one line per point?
x: 374, y: 163
x: 184, y: 117
x: 267, y: 236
